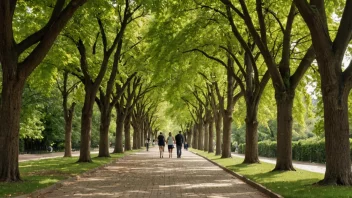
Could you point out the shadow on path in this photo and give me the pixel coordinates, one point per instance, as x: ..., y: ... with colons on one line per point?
x: 144, y: 174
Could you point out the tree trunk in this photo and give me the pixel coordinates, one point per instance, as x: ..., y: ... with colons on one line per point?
x: 218, y: 134
x: 189, y: 136
x: 284, y: 102
x: 11, y: 100
x: 68, y: 132
x: 226, y: 139
x: 140, y: 136
x: 68, y: 141
x: 127, y: 128
x: 86, y: 127
x: 251, y: 153
x: 135, y: 131
x: 195, y: 136
x: 335, y: 87
x: 200, y: 135
x: 211, y: 136
x: 227, y: 114
x: 137, y: 137
x: 206, y: 136
x: 105, y: 118
x: 336, y: 125
x: 118, y: 138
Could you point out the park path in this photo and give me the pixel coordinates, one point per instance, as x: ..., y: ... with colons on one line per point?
x: 144, y: 174
x: 308, y: 166
x: 29, y: 157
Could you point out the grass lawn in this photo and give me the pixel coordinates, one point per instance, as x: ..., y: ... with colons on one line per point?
x: 286, y: 183
x: 39, y: 174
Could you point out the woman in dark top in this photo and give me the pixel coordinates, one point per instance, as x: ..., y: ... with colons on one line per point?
x: 161, y: 143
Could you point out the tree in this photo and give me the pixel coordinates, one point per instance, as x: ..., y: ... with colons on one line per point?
x: 231, y: 97
x: 18, y: 60
x: 123, y: 107
x: 91, y: 85
x: 104, y: 100
x: 335, y: 85
x: 217, y: 106
x: 284, y: 83
x: 68, y: 112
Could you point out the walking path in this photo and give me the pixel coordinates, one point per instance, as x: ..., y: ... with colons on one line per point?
x: 313, y: 167
x: 28, y: 157
x: 144, y: 174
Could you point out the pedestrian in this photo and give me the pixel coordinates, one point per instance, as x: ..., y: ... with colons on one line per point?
x: 186, y: 146
x: 161, y: 143
x: 170, y: 144
x: 146, y: 142
x: 179, y: 142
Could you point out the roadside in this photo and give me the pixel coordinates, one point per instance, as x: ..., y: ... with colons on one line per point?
x: 300, y: 183
x: 308, y: 166
x: 29, y: 157
x: 39, y: 173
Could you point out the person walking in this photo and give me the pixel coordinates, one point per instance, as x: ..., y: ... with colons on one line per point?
x: 170, y: 144
x: 179, y: 142
x: 185, y: 145
x: 146, y: 142
x: 161, y: 143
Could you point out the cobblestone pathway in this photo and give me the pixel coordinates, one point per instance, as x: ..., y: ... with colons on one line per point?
x: 144, y: 174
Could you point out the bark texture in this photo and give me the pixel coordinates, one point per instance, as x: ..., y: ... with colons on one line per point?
x: 211, y: 136
x: 119, y: 135
x: 86, y: 127
x: 200, y: 135
x: 206, y: 136
x: 226, y: 147
x: 9, y: 126
x: 68, y: 131
x: 127, y: 128
x: 251, y: 153
x: 104, y: 144
x: 284, y: 103
x: 195, y: 136
x: 218, y: 124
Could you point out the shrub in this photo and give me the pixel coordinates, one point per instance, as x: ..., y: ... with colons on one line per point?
x: 312, y: 150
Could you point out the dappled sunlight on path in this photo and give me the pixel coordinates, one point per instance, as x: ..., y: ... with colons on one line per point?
x: 144, y: 174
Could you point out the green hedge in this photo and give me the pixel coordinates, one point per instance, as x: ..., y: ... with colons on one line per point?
x: 311, y: 150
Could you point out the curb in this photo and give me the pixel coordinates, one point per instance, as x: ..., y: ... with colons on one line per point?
x: 257, y: 186
x: 49, y: 189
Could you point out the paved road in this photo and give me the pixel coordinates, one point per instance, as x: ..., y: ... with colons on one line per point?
x: 313, y: 167
x: 28, y: 157
x: 144, y: 174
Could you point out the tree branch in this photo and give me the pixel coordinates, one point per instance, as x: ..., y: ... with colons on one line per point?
x: 208, y: 56
x: 228, y: 3
x: 261, y: 21
x: 216, y: 10
x: 276, y: 18
x: 344, y: 32
x: 303, y: 66
x: 37, y: 36
x: 235, y: 59
x: 47, y: 40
